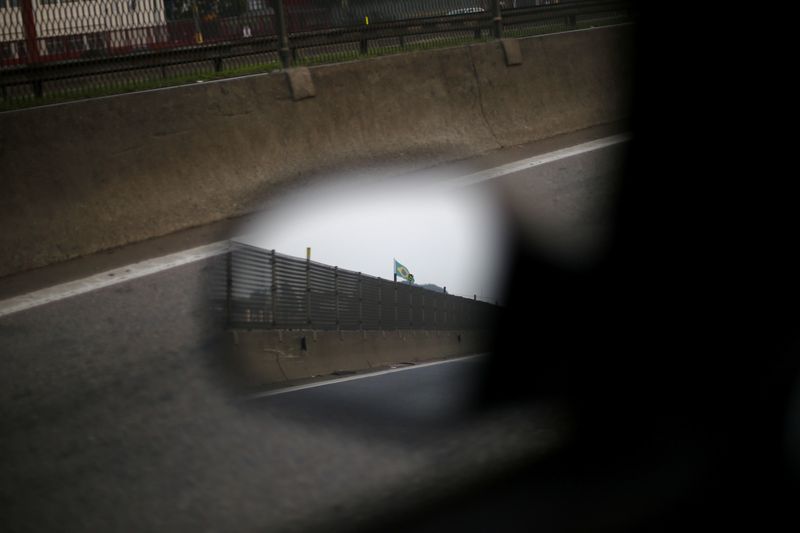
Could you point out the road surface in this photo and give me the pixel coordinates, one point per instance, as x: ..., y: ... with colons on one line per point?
x: 117, y: 413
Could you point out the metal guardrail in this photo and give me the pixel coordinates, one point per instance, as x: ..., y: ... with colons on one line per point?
x: 79, y: 55
x: 262, y: 289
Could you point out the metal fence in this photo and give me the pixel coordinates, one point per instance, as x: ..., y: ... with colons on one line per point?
x: 61, y: 49
x: 262, y: 289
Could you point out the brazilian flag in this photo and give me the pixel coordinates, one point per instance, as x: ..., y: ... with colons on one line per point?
x: 403, y: 272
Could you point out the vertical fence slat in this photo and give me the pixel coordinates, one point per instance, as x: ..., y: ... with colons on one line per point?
x: 308, y: 291
x: 229, y: 286
x: 336, y: 294
x: 410, y: 308
x: 360, y: 303
x: 273, y: 288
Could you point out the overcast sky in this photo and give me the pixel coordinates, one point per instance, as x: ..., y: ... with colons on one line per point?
x: 446, y: 237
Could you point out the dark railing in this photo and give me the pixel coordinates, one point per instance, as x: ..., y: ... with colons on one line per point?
x: 261, y: 289
x: 52, y: 49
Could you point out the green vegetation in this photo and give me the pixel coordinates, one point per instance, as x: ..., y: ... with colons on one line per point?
x: 111, y: 88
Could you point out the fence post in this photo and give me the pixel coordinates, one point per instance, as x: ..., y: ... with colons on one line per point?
x: 572, y: 22
x: 273, y: 290
x: 198, y: 31
x: 497, y: 19
x: 29, y: 28
x: 283, y: 35
x: 364, y: 44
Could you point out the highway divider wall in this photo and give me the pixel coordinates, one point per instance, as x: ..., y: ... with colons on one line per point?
x: 87, y: 176
x: 266, y: 357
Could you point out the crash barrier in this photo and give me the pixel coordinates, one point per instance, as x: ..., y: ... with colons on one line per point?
x: 51, y: 51
x: 268, y: 357
x: 267, y: 290
x: 88, y: 176
x: 290, y: 318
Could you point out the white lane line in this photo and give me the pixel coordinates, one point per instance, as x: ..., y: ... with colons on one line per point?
x: 111, y: 277
x: 153, y: 266
x: 296, y: 388
x: 538, y: 160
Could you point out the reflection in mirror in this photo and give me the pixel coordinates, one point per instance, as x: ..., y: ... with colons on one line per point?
x: 352, y: 279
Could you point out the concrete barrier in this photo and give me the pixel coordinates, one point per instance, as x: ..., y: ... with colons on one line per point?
x: 86, y: 176
x: 278, y: 356
x: 566, y: 82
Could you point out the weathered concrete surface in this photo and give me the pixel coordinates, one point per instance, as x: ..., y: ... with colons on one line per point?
x: 567, y: 82
x: 512, y: 51
x: 275, y: 356
x: 300, y: 83
x: 87, y: 176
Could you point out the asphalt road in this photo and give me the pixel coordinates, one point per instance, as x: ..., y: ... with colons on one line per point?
x: 117, y: 414
x: 416, y: 405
